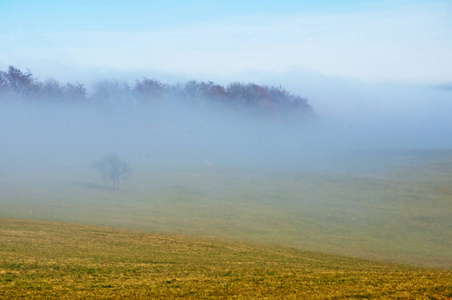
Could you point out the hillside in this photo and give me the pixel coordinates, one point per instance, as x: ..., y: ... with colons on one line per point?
x: 396, y: 209
x: 56, y: 260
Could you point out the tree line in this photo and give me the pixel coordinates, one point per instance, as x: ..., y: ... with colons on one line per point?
x: 17, y: 84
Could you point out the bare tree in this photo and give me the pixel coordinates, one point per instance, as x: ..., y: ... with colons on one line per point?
x: 112, y: 169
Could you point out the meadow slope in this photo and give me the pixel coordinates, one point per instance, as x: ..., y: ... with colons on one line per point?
x: 56, y: 260
x: 391, y: 206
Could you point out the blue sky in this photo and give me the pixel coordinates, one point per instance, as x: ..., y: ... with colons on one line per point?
x: 372, y: 41
x: 41, y: 16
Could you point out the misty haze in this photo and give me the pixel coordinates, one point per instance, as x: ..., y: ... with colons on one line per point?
x: 291, y: 150
x: 194, y: 151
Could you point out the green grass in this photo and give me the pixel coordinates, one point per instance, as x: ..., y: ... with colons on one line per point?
x: 60, y: 260
x: 397, y: 208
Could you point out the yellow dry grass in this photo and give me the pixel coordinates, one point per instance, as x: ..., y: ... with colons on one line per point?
x: 62, y: 260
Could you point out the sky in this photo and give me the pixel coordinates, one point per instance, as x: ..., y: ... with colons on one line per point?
x: 370, y: 41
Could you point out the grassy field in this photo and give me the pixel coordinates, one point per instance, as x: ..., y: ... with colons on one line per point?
x: 390, y: 206
x: 61, y: 260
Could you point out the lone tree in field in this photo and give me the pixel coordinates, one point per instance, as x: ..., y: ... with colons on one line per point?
x: 112, y: 168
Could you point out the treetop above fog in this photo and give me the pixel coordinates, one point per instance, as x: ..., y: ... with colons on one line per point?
x: 17, y: 84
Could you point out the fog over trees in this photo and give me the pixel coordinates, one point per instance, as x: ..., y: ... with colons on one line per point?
x: 17, y: 84
x: 237, y: 124
x: 111, y: 169
x: 147, y: 124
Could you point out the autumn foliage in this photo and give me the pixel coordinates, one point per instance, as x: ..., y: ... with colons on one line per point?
x: 17, y: 84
